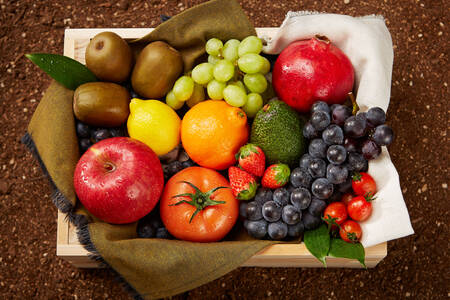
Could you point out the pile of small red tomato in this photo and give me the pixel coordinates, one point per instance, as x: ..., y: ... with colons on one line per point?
x: 352, y: 207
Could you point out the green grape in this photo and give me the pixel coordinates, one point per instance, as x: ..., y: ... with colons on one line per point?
x: 250, y: 44
x: 230, y: 50
x: 251, y: 63
x: 183, y: 88
x: 223, y: 70
x: 172, y: 101
x: 266, y: 67
x: 197, y: 96
x: 234, y: 95
x: 256, y: 83
x: 238, y: 83
x: 253, y: 105
x: 215, y: 89
x: 213, y: 59
x: 213, y: 46
x: 203, y: 73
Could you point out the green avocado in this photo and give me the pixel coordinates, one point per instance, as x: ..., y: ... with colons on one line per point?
x: 278, y: 130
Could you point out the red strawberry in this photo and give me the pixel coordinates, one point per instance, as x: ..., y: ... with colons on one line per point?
x: 252, y: 159
x: 243, y: 184
x: 276, y: 176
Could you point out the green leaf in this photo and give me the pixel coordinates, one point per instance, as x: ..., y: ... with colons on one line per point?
x: 63, y: 69
x: 340, y: 248
x: 318, y: 242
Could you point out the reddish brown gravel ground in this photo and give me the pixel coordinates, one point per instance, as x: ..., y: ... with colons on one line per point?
x: 416, y: 266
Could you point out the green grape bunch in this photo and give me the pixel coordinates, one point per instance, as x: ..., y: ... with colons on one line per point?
x: 234, y: 72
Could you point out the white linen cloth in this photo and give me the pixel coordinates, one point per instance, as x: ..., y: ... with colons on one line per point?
x: 367, y: 43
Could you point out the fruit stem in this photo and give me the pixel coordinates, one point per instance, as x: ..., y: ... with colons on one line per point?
x: 354, y: 104
x: 322, y: 38
x: 199, y: 199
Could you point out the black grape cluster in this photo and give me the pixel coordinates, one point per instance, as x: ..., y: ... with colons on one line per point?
x: 281, y: 213
x: 89, y: 135
x: 340, y: 143
x: 151, y: 226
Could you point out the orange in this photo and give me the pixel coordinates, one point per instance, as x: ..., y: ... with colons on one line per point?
x: 212, y: 133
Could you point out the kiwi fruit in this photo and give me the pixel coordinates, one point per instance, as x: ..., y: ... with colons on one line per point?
x: 157, y: 67
x: 109, y: 57
x: 102, y: 104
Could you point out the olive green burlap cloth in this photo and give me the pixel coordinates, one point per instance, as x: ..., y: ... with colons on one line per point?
x: 153, y: 268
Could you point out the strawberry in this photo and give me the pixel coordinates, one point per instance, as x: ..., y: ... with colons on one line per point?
x: 243, y: 184
x: 276, y: 176
x: 252, y: 159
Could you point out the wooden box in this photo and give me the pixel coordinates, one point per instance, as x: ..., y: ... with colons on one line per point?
x: 280, y: 255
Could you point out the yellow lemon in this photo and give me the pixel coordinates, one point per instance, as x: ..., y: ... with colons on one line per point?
x: 154, y: 123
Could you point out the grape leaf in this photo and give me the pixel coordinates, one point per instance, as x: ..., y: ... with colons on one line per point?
x: 63, y: 69
x: 318, y: 242
x: 340, y: 248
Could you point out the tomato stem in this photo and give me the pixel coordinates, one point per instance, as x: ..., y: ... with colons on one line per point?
x: 354, y: 104
x: 199, y: 199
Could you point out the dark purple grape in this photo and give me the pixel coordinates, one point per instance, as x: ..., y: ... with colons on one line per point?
x: 271, y: 211
x: 300, y: 198
x: 257, y: 229
x: 316, y: 207
x: 383, y: 135
x: 290, y: 215
x: 188, y: 163
x: 376, y: 116
x: 310, y: 222
x: 309, y: 132
x: 320, y: 120
x: 362, y: 115
x: 254, y: 211
x: 145, y: 229
x: 162, y: 233
x: 300, y: 178
x: 85, y: 144
x: 281, y: 196
x: 355, y: 126
x: 82, y: 130
x: 346, y: 186
x: 320, y: 105
x: 322, y: 188
x: 337, y: 174
x: 333, y: 135
x: 317, y: 148
x: 317, y: 168
x: 277, y: 231
x: 243, y: 208
x: 175, y: 167
x: 336, y: 154
x: 116, y: 132
x: 290, y: 188
x: 296, y: 230
x: 370, y: 150
x: 339, y: 114
x: 350, y: 145
x: 101, y: 134
x: 263, y: 195
x: 305, y: 160
x: 356, y: 162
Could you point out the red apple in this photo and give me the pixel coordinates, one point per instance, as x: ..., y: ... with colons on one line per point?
x: 119, y: 180
x: 310, y: 70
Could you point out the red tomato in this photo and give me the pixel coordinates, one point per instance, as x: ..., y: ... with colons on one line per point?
x: 336, y: 211
x: 346, y: 198
x: 363, y: 184
x: 350, y: 231
x: 197, y: 205
x: 360, y: 208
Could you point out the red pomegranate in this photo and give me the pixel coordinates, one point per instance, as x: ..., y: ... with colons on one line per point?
x: 310, y: 70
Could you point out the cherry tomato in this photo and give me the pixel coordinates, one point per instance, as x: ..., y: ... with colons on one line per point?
x: 360, y: 208
x: 363, y: 184
x: 197, y: 205
x: 346, y: 198
x: 335, y: 211
x: 350, y: 231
